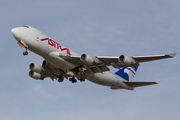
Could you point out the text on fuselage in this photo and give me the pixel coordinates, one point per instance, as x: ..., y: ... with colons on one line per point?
x: 56, y: 45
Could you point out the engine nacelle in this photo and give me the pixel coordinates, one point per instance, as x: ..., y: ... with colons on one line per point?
x: 35, y: 67
x: 126, y: 60
x: 34, y: 75
x: 87, y: 59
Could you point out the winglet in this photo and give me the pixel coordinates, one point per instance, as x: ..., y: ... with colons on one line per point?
x: 172, y: 55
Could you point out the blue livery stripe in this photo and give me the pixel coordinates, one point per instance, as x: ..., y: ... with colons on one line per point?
x: 127, y: 73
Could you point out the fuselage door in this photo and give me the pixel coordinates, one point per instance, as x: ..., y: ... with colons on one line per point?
x: 37, y: 38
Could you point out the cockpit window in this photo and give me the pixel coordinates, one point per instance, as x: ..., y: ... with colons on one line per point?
x: 26, y: 26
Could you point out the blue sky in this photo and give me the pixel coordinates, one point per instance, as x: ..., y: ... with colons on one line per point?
x: 96, y: 27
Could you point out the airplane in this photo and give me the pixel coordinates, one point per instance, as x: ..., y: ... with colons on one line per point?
x: 60, y: 62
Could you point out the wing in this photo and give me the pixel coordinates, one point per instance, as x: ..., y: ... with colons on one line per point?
x: 90, y: 64
x: 117, y: 62
x: 152, y: 57
x: 137, y: 59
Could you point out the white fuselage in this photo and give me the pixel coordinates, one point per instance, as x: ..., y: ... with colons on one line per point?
x: 52, y: 51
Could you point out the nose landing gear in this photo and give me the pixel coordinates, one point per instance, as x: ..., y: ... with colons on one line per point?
x: 25, y: 52
x: 22, y: 44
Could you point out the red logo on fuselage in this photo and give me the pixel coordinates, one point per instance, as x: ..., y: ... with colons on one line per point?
x: 56, y: 45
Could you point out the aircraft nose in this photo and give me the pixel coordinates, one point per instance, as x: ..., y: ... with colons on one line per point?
x: 18, y: 32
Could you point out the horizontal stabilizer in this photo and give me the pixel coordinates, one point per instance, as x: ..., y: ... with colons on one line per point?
x: 138, y: 84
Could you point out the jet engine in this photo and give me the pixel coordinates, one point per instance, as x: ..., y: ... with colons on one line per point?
x: 126, y: 60
x: 34, y: 75
x: 87, y: 59
x: 35, y: 67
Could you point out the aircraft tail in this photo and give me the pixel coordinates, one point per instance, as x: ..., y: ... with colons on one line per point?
x: 127, y: 73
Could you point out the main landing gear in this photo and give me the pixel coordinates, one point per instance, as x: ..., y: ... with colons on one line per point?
x: 60, y: 78
x: 82, y: 79
x: 73, y: 80
x: 69, y: 74
x: 82, y: 74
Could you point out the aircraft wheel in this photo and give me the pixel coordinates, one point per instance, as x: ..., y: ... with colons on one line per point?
x: 82, y: 80
x: 74, y: 81
x: 60, y: 80
x: 25, y: 53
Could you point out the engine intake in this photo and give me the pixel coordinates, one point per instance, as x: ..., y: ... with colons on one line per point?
x: 35, y: 67
x: 87, y: 59
x: 34, y: 75
x: 126, y: 60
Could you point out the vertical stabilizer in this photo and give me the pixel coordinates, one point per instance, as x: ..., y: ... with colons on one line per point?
x: 127, y: 73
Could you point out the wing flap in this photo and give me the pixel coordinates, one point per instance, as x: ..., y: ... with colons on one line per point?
x: 97, y: 69
x: 139, y: 84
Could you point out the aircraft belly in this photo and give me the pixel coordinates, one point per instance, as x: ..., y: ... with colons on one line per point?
x: 104, y: 78
x: 107, y: 79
